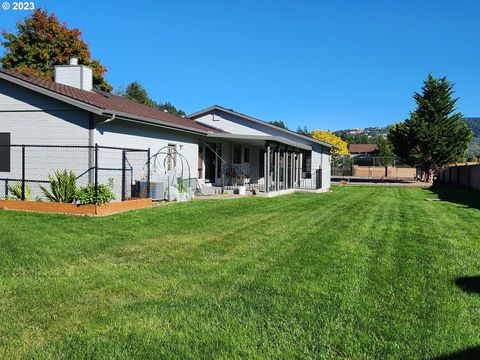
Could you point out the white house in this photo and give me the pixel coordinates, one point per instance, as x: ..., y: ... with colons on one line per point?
x: 212, y: 148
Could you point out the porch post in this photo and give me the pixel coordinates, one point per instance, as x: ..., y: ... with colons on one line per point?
x: 267, y: 169
x: 300, y: 158
x: 285, y: 181
x: 292, y: 170
x: 287, y: 159
x: 275, y: 170
x: 296, y: 169
x: 278, y: 168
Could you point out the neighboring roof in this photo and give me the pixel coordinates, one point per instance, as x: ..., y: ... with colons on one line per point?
x: 260, y: 137
x: 103, y: 103
x: 258, y: 121
x: 362, y: 148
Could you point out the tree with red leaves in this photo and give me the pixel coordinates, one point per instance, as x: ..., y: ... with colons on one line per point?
x: 42, y: 42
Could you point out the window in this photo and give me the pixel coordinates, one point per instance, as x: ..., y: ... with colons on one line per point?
x: 307, y: 165
x: 237, y: 154
x: 5, y: 152
x: 246, y: 155
x: 171, y: 157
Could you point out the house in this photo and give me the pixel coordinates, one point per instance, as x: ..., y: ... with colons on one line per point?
x: 362, y: 149
x: 68, y: 124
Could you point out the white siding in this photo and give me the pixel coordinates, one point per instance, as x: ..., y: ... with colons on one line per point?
x: 237, y: 125
x: 230, y: 123
x: 137, y: 136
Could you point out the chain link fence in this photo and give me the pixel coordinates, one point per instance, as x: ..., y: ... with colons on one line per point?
x: 27, y: 167
x: 371, y: 167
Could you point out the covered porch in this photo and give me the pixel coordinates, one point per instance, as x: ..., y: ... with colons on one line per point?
x: 265, y: 165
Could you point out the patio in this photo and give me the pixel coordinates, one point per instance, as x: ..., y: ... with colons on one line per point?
x: 263, y: 165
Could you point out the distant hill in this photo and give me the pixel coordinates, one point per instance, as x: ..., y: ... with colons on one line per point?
x: 371, y: 135
x: 474, y: 124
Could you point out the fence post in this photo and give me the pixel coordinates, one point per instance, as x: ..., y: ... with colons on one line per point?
x: 23, y: 172
x: 469, y: 175
x: 123, y: 175
x: 148, y: 173
x: 96, y: 171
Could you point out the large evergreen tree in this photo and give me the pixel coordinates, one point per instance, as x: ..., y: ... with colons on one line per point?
x: 303, y: 131
x: 169, y: 107
x: 136, y: 92
x: 41, y: 42
x: 434, y: 135
x: 278, y: 123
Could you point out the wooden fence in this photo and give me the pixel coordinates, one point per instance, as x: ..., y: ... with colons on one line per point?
x: 462, y: 174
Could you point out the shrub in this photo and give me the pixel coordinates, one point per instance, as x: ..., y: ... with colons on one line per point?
x: 182, y: 186
x: 86, y: 195
x: 62, y: 187
x: 15, y: 190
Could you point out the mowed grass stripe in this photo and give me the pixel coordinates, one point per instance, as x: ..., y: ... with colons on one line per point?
x: 362, y: 272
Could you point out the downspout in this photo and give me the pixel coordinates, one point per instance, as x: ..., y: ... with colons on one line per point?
x: 108, y: 120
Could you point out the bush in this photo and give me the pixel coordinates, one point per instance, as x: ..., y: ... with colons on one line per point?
x: 86, y: 195
x: 62, y: 187
x: 15, y: 190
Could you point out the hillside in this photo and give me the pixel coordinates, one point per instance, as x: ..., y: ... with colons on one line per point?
x: 372, y: 134
x: 474, y: 124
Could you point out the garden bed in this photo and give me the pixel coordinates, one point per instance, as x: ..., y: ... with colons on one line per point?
x: 75, y: 209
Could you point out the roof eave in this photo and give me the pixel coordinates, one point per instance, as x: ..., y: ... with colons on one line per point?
x: 164, y: 124
x: 258, y: 121
x: 97, y: 110
x: 51, y: 94
x: 261, y: 138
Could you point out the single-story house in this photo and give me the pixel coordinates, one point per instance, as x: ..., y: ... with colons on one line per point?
x: 362, y: 149
x: 214, y: 147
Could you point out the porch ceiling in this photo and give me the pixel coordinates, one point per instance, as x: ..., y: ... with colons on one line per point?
x: 258, y: 140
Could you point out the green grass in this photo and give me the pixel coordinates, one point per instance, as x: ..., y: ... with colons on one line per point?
x: 362, y: 272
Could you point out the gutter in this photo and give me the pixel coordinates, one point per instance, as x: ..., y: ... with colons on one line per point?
x: 279, y: 139
x: 144, y: 120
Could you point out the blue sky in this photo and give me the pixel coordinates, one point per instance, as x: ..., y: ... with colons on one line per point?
x: 323, y: 64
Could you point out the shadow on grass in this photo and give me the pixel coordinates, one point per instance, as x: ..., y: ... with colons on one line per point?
x: 470, y: 353
x: 469, y: 284
x: 457, y: 194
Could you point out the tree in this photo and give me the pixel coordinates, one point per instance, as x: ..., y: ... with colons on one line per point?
x: 278, y: 123
x: 41, y: 42
x: 434, y: 136
x: 384, y: 155
x: 331, y: 138
x: 169, y: 107
x: 136, y: 92
x: 303, y: 131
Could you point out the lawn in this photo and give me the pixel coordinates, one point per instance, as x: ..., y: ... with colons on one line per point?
x: 361, y: 272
